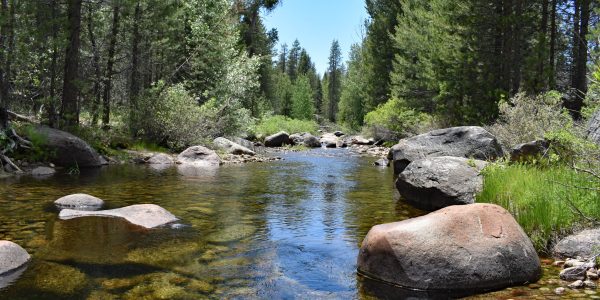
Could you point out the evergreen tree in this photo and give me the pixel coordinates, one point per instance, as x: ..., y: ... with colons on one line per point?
x: 293, y: 60
x: 352, y: 102
x: 303, y: 106
x: 334, y: 80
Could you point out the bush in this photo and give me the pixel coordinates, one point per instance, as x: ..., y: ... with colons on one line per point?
x: 526, y: 118
x: 542, y: 200
x: 273, y: 124
x: 394, y: 120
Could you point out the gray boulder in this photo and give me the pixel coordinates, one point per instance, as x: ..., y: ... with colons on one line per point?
x: 160, y: 159
x: 437, y: 182
x: 464, y: 248
x: 330, y: 140
x: 43, y: 171
x: 306, y: 139
x: 199, y: 156
x: 67, y: 150
x: 231, y: 147
x: 79, y: 202
x: 244, y: 142
x: 529, y: 151
x: 277, y: 140
x: 583, y: 244
x: 594, y: 127
x: 466, y: 141
x: 145, y: 215
x: 359, y: 140
x: 12, y: 257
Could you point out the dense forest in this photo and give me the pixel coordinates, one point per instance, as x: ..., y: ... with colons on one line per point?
x: 173, y: 72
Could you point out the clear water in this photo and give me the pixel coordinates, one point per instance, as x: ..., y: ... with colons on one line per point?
x: 289, y: 229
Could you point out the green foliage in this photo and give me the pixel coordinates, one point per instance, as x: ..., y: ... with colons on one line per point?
x: 542, y: 199
x: 352, y: 108
x: 527, y: 118
x: 335, y: 71
x: 394, y: 120
x: 303, y: 106
x: 273, y: 124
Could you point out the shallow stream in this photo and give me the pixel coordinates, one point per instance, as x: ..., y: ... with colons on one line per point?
x: 288, y: 229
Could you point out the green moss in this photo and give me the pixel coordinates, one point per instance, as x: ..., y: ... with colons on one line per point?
x: 59, y: 279
x: 165, y: 255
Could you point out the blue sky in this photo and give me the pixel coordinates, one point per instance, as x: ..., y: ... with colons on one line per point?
x: 316, y: 23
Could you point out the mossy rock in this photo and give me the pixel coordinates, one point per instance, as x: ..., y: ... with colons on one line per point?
x: 59, y: 279
x: 200, y: 286
x: 161, y: 286
x: 232, y: 233
x: 101, y: 295
x: 165, y: 255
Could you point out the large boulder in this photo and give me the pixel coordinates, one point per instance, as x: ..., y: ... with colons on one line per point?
x: 330, y: 140
x: 436, y: 182
x: 529, y: 151
x: 145, y: 215
x: 79, y: 202
x: 594, y: 127
x: 231, y: 147
x: 463, y: 248
x: 67, y: 150
x: 583, y: 244
x: 199, y: 156
x: 306, y: 139
x: 12, y: 257
x: 466, y: 141
x: 160, y: 159
x: 278, y: 139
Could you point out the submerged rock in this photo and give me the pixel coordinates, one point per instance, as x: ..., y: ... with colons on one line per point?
x: 231, y: 147
x: 458, y: 248
x: 278, y: 139
x: 199, y: 156
x: 145, y: 215
x: 583, y: 244
x: 437, y: 182
x: 12, y: 257
x: 466, y: 141
x: 79, y: 202
x: 67, y: 150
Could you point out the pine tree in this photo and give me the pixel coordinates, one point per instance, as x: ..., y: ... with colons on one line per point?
x: 335, y: 80
x: 303, y: 106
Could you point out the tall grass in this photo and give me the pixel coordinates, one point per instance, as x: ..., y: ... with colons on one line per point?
x: 274, y: 124
x: 542, y: 199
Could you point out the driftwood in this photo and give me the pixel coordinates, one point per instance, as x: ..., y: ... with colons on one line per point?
x: 15, y: 116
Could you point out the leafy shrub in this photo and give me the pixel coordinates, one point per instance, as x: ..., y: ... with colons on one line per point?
x: 394, y: 120
x: 526, y: 118
x: 273, y: 124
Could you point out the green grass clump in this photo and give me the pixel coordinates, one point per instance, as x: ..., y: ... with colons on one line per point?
x: 274, y: 124
x: 542, y: 198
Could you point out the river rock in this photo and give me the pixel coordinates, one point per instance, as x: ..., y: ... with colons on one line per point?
x: 145, y: 215
x: 382, y: 162
x: 306, y: 139
x: 160, y: 159
x: 583, y: 244
x: 594, y: 127
x: 12, y: 257
x: 573, y: 273
x: 466, y: 141
x: 67, y: 150
x: 578, y: 284
x: 338, y: 133
x: 436, y: 182
x: 79, y: 202
x: 244, y: 142
x: 458, y: 248
x: 359, y: 140
x: 529, y: 151
x: 42, y: 171
x: 278, y: 139
x: 329, y: 140
x: 199, y: 156
x: 231, y: 147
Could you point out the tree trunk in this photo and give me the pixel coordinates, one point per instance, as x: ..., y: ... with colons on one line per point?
x: 540, y: 84
x: 97, y: 70
x: 3, y: 48
x: 51, y: 108
x: 109, y: 67
x: 552, y: 57
x: 517, y: 45
x: 575, y: 43
x: 135, y: 42
x: 579, y: 83
x: 70, y: 106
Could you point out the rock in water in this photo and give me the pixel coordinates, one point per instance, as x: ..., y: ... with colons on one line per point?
x: 529, y: 151
x: 79, y: 202
x: 231, y: 147
x: 160, y: 159
x: 199, y: 156
x: 42, y: 171
x: 437, y: 182
x: 463, y: 248
x: 466, y: 141
x: 67, y: 150
x: 145, y: 215
x: 359, y: 140
x: 12, y: 257
x: 306, y: 139
x: 594, y: 128
x: 583, y: 244
x: 277, y: 140
x: 330, y: 140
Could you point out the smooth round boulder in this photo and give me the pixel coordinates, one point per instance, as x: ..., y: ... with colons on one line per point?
x: 145, y: 215
x: 436, y: 182
x: 583, y: 244
x: 67, y: 150
x: 306, y: 139
x: 12, y: 257
x: 199, y: 156
x: 466, y: 141
x: 278, y: 139
x: 359, y: 140
x: 160, y: 159
x: 329, y: 140
x: 463, y: 248
x: 231, y: 147
x: 79, y: 202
